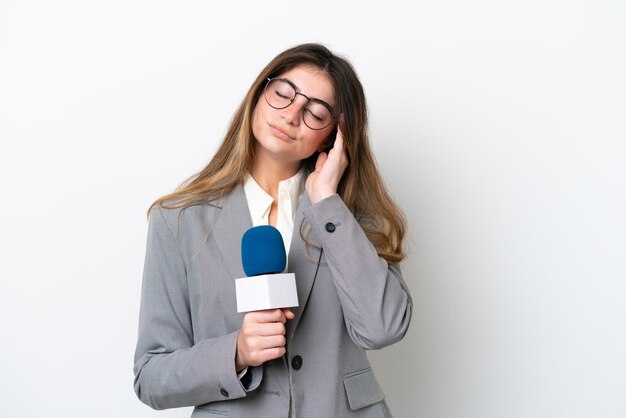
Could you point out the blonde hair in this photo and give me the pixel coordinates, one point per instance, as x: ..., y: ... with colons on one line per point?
x: 361, y: 187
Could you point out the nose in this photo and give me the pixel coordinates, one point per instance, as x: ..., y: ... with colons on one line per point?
x: 293, y: 113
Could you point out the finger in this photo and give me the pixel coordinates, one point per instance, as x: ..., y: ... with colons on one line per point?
x: 257, y: 344
x: 274, y: 341
x: 258, y: 357
x: 273, y: 353
x: 338, y: 153
x: 339, y: 131
x: 270, y: 315
x: 338, y: 145
x: 321, y: 159
x: 269, y: 329
x: 335, y: 152
x: 288, y: 313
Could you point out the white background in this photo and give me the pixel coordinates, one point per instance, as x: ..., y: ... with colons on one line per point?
x: 500, y: 127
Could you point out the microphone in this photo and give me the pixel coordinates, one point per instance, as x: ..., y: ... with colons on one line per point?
x: 264, y: 260
x: 263, y: 251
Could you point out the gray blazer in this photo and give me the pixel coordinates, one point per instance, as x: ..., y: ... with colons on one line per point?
x: 351, y: 300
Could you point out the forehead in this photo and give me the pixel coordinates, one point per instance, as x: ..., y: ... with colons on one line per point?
x: 312, y: 82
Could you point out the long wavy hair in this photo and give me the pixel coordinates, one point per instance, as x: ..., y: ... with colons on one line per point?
x: 361, y: 187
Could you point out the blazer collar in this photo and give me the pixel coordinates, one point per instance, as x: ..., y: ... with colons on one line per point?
x: 303, y: 261
x: 232, y: 222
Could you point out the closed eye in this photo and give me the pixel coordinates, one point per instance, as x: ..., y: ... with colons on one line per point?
x: 314, y: 115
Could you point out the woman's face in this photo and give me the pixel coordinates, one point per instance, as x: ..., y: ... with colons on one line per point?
x: 281, y: 134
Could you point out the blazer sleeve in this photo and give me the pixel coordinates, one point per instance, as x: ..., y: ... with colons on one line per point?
x: 376, y: 302
x: 171, y: 370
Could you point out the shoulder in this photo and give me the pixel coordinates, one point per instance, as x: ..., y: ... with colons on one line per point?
x: 184, y: 222
x: 170, y: 214
x: 180, y: 216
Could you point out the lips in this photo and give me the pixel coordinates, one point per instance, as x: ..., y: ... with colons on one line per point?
x: 282, y: 134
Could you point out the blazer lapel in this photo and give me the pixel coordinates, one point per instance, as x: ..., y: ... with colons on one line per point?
x: 232, y: 222
x: 303, y: 261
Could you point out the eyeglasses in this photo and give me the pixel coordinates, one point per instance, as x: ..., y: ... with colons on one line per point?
x: 280, y: 93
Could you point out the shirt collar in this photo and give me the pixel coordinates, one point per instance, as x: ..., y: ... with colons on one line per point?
x: 260, y: 202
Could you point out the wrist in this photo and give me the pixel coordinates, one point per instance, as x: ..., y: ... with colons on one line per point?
x: 321, y: 195
x: 239, y: 363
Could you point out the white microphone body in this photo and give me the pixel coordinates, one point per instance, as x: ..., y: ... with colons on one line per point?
x: 266, y: 291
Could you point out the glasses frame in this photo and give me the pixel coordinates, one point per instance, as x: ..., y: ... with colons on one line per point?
x: 308, y: 99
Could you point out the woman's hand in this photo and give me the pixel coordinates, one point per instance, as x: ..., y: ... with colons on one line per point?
x: 262, y: 337
x: 329, y: 169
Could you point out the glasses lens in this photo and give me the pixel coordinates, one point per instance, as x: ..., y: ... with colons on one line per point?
x: 317, y: 115
x: 279, y: 94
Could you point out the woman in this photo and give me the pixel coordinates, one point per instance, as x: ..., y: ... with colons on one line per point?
x: 296, y: 156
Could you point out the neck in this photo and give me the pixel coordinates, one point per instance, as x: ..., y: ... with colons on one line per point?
x: 268, y: 173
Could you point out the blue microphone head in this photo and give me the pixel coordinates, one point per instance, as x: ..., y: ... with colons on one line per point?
x: 263, y: 251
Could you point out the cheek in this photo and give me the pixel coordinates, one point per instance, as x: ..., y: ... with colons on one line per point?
x: 256, y: 121
x: 318, y: 142
x: 319, y: 145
